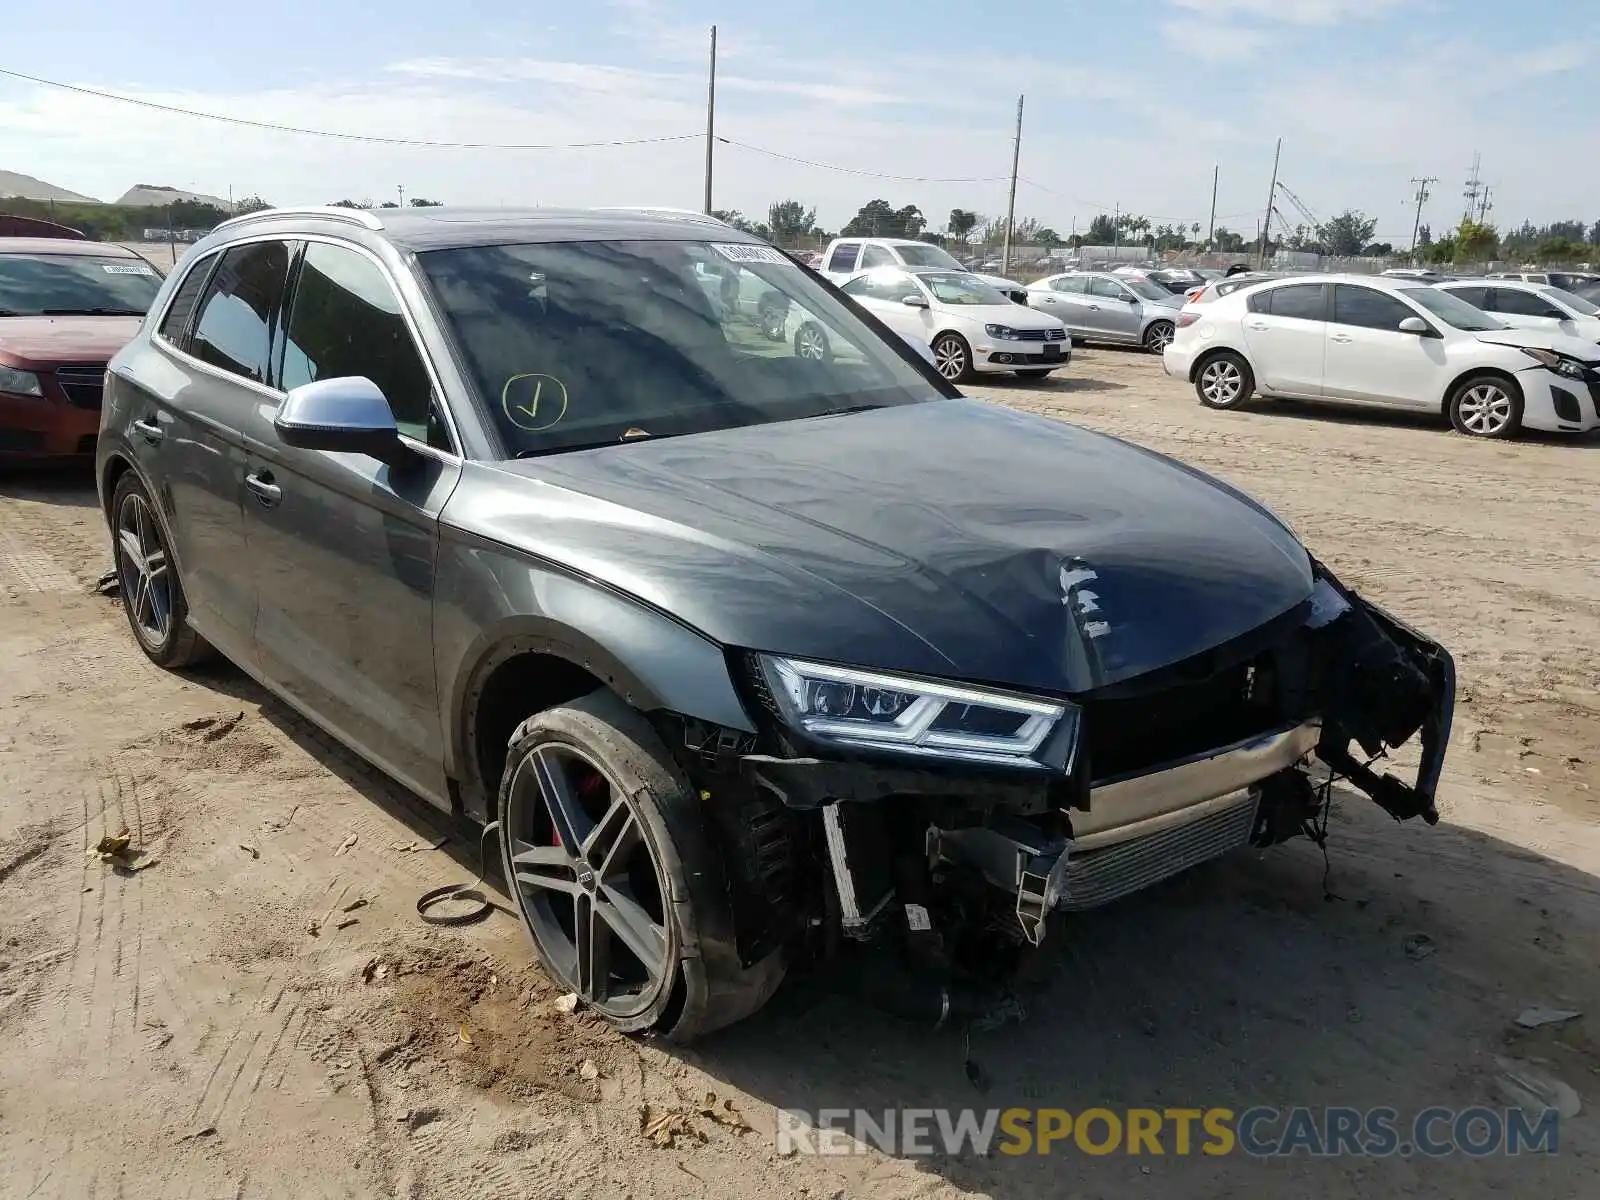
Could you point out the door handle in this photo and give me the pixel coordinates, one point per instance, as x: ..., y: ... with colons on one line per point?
x: 1259, y: 326
x: 263, y: 489
x: 1096, y: 307
x: 149, y: 431
x: 1340, y: 337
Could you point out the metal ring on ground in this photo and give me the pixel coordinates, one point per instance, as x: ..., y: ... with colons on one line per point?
x: 454, y: 891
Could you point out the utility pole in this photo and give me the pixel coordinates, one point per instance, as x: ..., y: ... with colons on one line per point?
x: 1474, y: 187
x: 1422, y: 183
x: 1211, y: 226
x: 1272, y: 196
x: 1484, y: 205
x: 401, y: 189
x: 711, y: 117
x: 1011, y: 201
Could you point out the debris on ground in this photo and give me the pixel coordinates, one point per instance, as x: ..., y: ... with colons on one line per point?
x: 1535, y: 1090
x: 355, y: 904
x: 1536, y: 1017
x: 723, y: 1114
x: 347, y: 922
x: 279, y: 824
x: 347, y: 845
x: 250, y: 850
x: 465, y: 1035
x: 118, y: 850
x: 109, y: 584
x: 374, y: 970
x: 665, y: 1127
x: 567, y: 1003
x: 204, y: 1131
x: 1418, y: 946
x: 114, y: 845
x: 588, y: 1070
x: 221, y: 729
x: 314, y: 928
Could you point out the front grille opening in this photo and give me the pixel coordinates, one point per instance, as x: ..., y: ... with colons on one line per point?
x: 1134, y: 734
x: 84, y: 387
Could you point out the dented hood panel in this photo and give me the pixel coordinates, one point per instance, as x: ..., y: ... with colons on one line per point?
x: 952, y: 538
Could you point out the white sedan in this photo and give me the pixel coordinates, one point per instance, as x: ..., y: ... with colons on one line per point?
x: 1530, y: 305
x: 1389, y: 342
x: 969, y: 326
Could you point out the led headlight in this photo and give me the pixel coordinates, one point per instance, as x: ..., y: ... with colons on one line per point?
x: 1005, y: 332
x: 869, y: 710
x: 19, y: 383
x: 1571, y: 368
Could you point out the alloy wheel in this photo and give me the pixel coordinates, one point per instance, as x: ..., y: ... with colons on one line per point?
x: 143, y: 571
x: 811, y: 343
x: 1159, y: 337
x: 1221, y: 382
x: 587, y: 881
x: 950, y: 356
x: 1485, y: 409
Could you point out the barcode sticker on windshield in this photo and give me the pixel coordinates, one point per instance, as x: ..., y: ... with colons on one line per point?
x: 126, y: 269
x: 744, y: 252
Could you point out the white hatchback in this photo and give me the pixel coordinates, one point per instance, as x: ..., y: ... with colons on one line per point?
x: 1390, y: 342
x: 1530, y: 305
x: 969, y: 326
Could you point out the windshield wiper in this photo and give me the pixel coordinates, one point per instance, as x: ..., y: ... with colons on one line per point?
x: 565, y: 447
x: 91, y: 312
x: 849, y: 408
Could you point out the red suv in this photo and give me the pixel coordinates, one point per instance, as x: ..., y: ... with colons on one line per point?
x: 66, y: 307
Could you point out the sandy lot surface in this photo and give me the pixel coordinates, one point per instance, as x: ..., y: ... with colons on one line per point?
x: 258, y: 1012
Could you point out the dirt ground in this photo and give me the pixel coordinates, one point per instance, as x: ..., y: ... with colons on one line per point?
x: 258, y: 1011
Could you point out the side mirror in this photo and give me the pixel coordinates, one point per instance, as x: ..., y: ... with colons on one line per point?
x: 348, y: 415
x: 914, y: 301
x: 1414, y: 325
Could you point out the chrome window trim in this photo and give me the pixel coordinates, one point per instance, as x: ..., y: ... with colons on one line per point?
x: 450, y: 456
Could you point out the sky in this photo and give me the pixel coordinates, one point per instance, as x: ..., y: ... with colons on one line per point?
x: 1126, y: 106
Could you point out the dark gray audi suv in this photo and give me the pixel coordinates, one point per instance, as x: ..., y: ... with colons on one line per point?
x: 754, y: 636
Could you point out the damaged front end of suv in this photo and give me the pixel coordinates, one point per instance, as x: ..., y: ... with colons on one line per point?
x: 931, y: 818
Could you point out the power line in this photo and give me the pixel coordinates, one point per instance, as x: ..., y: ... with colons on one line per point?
x: 343, y: 137
x: 811, y: 162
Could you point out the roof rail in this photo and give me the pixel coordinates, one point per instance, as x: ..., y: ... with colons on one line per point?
x: 333, y: 212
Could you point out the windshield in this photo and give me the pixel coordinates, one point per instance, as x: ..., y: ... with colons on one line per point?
x: 576, y: 344
x: 924, y: 255
x: 960, y: 288
x: 34, y: 285
x: 1572, y: 300
x: 1452, y: 310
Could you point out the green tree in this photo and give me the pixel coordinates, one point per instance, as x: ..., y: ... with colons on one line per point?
x: 1102, y: 230
x: 1048, y: 238
x: 789, y: 220
x: 731, y: 216
x: 961, y: 223
x: 348, y: 204
x: 1557, y: 250
x: 1594, y: 234
x: 1344, y: 235
x: 1475, y: 241
x: 419, y: 202
x: 1377, y: 250
x: 877, y: 218
x: 1226, y: 240
x: 1424, y: 236
x: 250, y: 204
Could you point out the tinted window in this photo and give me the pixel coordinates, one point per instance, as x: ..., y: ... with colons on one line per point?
x: 1108, y: 290
x: 843, y: 257
x: 1367, y: 308
x: 1071, y: 284
x: 1478, y: 297
x: 876, y: 256
x: 176, y: 322
x: 61, y: 284
x: 1524, y: 304
x: 346, y: 321
x: 233, y: 327
x: 883, y: 285
x: 1302, y: 300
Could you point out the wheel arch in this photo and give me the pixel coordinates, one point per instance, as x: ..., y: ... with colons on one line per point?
x: 1212, y: 352
x: 1461, y: 377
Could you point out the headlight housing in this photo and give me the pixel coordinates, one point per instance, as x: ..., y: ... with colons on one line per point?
x: 1003, y: 332
x: 869, y: 710
x: 19, y: 383
x: 1571, y: 368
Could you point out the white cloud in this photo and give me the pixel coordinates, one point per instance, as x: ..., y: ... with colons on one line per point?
x: 1294, y: 12
x: 1213, y: 42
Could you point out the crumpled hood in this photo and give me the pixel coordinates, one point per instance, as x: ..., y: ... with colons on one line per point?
x: 39, y: 343
x: 1543, y: 339
x: 951, y: 538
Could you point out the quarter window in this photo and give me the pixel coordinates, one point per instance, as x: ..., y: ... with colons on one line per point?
x: 843, y: 257
x: 346, y: 321
x: 876, y: 256
x: 176, y: 323
x: 1367, y: 308
x: 233, y: 329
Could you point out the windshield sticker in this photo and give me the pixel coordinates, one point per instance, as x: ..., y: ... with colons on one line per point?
x: 126, y: 269
x: 744, y: 252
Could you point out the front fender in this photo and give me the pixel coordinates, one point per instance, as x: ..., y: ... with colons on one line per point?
x: 493, y: 603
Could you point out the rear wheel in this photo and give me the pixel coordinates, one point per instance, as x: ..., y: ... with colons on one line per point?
x: 953, y: 357
x: 152, y: 594
x: 1159, y: 336
x: 1224, y: 381
x: 1488, y: 406
x: 604, y: 850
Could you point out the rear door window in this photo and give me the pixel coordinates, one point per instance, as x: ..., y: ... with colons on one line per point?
x: 1304, y: 301
x: 1071, y: 284
x: 1108, y: 290
x: 233, y: 325
x: 843, y: 257
x: 1478, y: 297
x: 1525, y: 304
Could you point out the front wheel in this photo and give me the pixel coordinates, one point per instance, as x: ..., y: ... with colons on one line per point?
x: 1488, y: 406
x: 953, y: 357
x: 811, y: 343
x: 1224, y: 381
x: 1159, y: 336
x: 605, y: 853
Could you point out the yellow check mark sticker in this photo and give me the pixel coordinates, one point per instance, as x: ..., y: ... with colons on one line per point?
x: 534, y: 402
